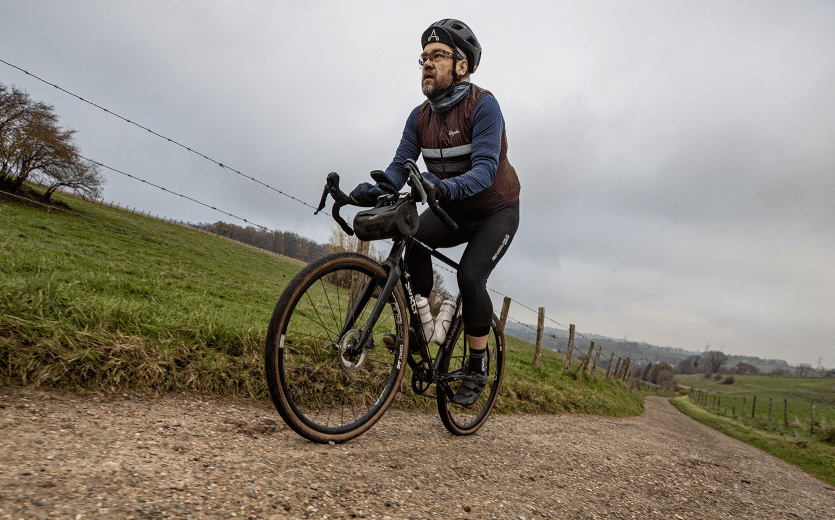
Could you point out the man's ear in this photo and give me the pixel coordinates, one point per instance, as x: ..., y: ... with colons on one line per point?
x: 462, y: 68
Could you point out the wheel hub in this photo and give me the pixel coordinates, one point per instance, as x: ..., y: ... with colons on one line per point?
x: 351, y: 361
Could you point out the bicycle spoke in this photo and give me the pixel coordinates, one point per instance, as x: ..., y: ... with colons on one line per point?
x: 328, y: 392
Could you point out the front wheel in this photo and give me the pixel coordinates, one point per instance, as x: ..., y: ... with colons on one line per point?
x: 466, y: 420
x: 326, y: 386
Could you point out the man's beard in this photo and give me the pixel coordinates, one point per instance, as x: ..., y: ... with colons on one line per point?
x: 434, y: 88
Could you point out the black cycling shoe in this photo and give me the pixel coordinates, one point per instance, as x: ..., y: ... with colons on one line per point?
x: 470, y: 389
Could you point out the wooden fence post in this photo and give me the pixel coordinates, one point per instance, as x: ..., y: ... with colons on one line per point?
x: 626, y: 369
x: 540, y: 330
x: 582, y: 368
x: 570, y: 348
x: 733, y: 410
x: 596, y: 359
x: 812, y: 425
x: 786, y: 413
x: 754, y: 407
x: 770, y: 402
x: 609, y: 366
x: 505, y: 310
x: 616, y: 372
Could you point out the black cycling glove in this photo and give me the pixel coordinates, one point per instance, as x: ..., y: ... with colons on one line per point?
x: 366, y: 194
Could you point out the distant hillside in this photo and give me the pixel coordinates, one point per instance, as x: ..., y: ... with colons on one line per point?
x: 557, y: 340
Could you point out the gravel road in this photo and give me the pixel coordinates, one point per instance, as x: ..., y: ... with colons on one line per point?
x: 69, y: 456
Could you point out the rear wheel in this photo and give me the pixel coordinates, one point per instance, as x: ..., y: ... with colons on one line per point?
x: 324, y: 384
x: 466, y: 420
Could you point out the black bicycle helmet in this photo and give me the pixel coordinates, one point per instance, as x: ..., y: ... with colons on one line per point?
x: 457, y: 35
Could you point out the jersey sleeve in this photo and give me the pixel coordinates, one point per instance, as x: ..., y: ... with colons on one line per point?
x: 409, y: 148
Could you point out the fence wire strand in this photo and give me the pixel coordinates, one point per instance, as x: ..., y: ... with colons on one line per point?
x: 227, y: 167
x: 172, y: 141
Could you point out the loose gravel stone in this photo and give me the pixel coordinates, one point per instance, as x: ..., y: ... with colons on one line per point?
x: 69, y: 456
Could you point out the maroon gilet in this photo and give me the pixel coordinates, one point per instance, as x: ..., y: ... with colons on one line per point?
x: 446, y: 139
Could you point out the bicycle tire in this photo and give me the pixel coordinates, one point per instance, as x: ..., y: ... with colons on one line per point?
x: 318, y: 395
x: 466, y: 420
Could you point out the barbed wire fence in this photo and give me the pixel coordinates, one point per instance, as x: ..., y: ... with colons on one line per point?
x: 770, y: 413
x: 584, y: 364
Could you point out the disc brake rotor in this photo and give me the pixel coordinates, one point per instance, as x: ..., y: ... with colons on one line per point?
x: 353, y: 362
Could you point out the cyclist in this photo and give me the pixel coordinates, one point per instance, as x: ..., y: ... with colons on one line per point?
x: 459, y: 130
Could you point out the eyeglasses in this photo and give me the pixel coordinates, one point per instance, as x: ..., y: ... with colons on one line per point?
x: 434, y: 56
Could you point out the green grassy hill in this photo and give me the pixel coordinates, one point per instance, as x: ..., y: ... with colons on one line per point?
x: 99, y: 299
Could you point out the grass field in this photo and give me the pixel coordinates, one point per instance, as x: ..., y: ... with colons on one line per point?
x: 798, y: 393
x: 98, y: 299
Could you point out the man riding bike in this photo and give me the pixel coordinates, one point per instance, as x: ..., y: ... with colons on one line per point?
x: 459, y: 130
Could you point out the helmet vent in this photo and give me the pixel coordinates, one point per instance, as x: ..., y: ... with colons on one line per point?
x: 457, y: 26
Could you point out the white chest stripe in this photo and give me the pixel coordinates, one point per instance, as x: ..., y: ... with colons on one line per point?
x: 455, y: 151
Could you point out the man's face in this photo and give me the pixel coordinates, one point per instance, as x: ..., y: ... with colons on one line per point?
x: 437, y: 74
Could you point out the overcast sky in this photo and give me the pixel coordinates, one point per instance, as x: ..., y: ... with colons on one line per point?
x: 676, y: 158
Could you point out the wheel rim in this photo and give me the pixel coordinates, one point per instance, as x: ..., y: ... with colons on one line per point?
x: 327, y: 394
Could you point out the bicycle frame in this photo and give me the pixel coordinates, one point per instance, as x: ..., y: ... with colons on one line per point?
x: 395, y: 266
x: 332, y: 385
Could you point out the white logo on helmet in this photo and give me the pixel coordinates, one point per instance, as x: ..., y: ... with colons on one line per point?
x: 433, y: 35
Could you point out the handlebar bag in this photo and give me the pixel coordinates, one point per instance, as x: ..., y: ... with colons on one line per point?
x: 390, y: 221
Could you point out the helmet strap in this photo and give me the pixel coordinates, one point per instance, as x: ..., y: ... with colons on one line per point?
x: 455, y: 77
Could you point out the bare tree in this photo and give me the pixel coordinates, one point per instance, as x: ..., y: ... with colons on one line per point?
x: 439, y: 292
x: 803, y: 370
x: 340, y: 241
x: 691, y: 365
x: 715, y: 360
x: 745, y: 368
x: 81, y: 176
x: 14, y: 104
x: 32, y: 142
x: 660, y: 373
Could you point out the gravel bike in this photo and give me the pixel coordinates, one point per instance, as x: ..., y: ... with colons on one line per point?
x: 339, y: 338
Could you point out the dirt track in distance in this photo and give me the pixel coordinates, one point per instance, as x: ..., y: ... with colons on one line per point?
x: 69, y: 456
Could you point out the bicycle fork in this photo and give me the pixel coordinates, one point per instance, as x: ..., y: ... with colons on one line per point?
x: 365, y: 295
